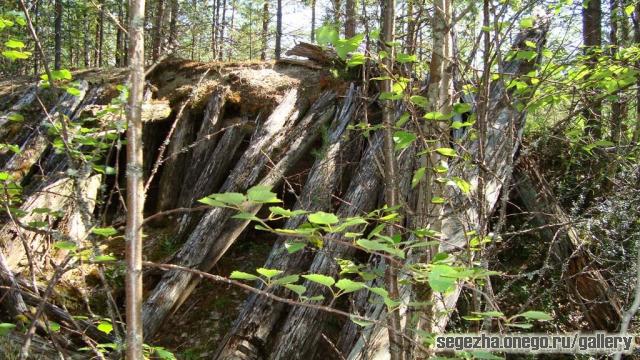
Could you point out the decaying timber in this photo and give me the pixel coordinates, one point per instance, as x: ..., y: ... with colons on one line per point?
x: 587, y: 286
x: 259, y: 315
x: 216, y: 231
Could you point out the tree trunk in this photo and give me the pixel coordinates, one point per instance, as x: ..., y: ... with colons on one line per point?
x: 265, y: 30
x: 135, y: 186
x: 636, y: 38
x: 216, y: 231
x: 173, y: 23
x: 214, y: 29
x: 350, y: 19
x: 85, y: 39
x: 231, y: 26
x: 592, y: 38
x: 278, y: 30
x: 313, y: 21
x: 222, y: 26
x: 260, y: 316
x: 120, y: 36
x: 616, y: 105
x: 396, y: 347
x: 57, y: 47
x: 157, y: 31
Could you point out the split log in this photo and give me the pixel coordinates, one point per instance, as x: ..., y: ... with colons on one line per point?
x: 57, y: 197
x: 18, y: 165
x: 586, y: 284
x: 151, y: 111
x: 260, y: 315
x: 461, y: 211
x: 297, y: 335
x: 318, y: 54
x: 281, y: 138
x: 10, y: 297
x: 23, y: 101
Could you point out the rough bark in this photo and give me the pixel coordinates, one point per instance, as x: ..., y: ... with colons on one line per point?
x: 57, y: 196
x: 35, y: 144
x: 214, y: 234
x: 278, y: 50
x: 296, y: 336
x: 265, y: 30
x: 350, y: 19
x: 157, y: 33
x: 316, y: 53
x: 135, y: 185
x: 592, y: 39
x: 57, y: 46
x: 259, y: 316
x: 586, y: 284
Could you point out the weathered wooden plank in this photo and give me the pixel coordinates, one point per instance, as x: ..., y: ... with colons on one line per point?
x: 282, y: 140
x: 260, y: 315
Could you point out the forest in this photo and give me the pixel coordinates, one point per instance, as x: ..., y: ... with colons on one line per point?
x: 357, y: 179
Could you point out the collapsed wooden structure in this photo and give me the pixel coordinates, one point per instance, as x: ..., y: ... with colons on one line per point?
x: 233, y: 134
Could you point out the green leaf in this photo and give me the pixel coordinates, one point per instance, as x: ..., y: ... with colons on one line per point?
x: 106, y: 232
x: 239, y: 275
x: 103, y: 258
x: 420, y: 101
x: 536, y: 315
x: 461, y: 184
x: 105, y: 327
x: 14, y: 44
x: 438, y: 200
x: 268, y: 273
x: 323, y: 218
x: 277, y: 210
x: 231, y: 198
x: 163, y: 353
x: 65, y: 245
x: 356, y: 59
x: 486, y: 314
x: 361, y: 322
x: 346, y: 46
x: 246, y: 216
x: 442, y: 278
x: 73, y: 91
x: 403, y: 139
x: 446, y: 152
x: 289, y: 279
x: 62, y: 74
x: 5, y: 328
x: 406, y: 58
x: 348, y: 286
x: 298, y: 289
x: 461, y: 108
x: 320, y: 279
x: 209, y: 201
x: 436, y: 115
x: 629, y: 10
x: 262, y: 194
x: 417, y: 176
x: 293, y: 247
x: 378, y: 246
x: 15, y: 117
x: 16, y: 55
x: 521, y: 325
x: 526, y: 23
x: 54, y: 326
x: 326, y: 35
